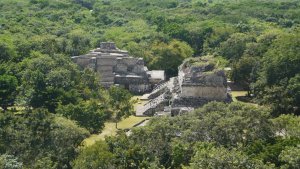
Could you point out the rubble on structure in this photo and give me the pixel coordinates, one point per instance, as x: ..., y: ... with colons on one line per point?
x: 116, y: 67
x: 199, y: 81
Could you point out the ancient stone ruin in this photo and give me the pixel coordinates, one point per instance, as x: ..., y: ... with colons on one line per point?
x: 115, y: 66
x: 199, y: 81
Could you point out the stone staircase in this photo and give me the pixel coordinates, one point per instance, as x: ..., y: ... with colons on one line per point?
x: 149, y: 108
x: 158, y: 90
x: 158, y: 99
x: 159, y: 86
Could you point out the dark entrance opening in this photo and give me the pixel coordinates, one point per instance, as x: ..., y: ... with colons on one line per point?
x: 126, y: 86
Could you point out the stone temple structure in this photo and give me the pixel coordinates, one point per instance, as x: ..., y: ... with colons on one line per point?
x: 199, y: 81
x: 115, y: 66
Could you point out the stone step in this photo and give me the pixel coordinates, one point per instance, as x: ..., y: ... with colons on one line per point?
x: 152, y: 104
x: 158, y: 90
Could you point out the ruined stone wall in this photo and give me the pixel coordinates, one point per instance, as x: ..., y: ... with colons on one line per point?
x: 82, y: 61
x: 202, y: 80
x: 215, y: 78
x: 139, y: 88
x: 159, y: 107
x: 180, y: 78
x: 116, y: 67
x: 105, y: 64
x: 189, y: 102
x: 130, y: 65
x: 108, y: 45
x: 120, y: 68
x: 127, y: 79
x: 106, y: 60
x: 207, y: 92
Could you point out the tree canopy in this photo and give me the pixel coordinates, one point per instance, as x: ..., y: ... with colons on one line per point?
x: 49, y: 104
x: 232, y: 135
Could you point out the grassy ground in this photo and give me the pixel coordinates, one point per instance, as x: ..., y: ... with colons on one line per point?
x: 130, y: 122
x: 110, y: 129
x: 137, y: 101
x: 237, y: 93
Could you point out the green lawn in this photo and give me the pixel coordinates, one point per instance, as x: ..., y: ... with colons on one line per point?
x: 237, y: 93
x: 137, y: 101
x: 110, y: 129
x: 130, y: 122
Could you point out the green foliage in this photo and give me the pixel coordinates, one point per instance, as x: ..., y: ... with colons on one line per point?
x: 120, y: 103
x: 287, y: 126
x: 155, y: 141
x: 231, y: 125
x: 86, y: 3
x: 260, y: 40
x: 170, y: 141
x: 234, y: 47
x: 8, y: 86
x: 44, y: 162
x: 9, y: 162
x: 244, y: 71
x: 95, y: 156
x: 181, y: 153
x: 294, y: 92
x: 79, y: 42
x: 169, y: 56
x: 269, y: 152
x: 232, y: 136
x: 291, y: 156
x: 37, y: 137
x: 127, y: 155
x: 209, y: 156
x: 278, y: 79
x: 242, y: 29
x: 46, y: 81
x: 282, y: 60
x: 90, y: 115
x: 7, y: 48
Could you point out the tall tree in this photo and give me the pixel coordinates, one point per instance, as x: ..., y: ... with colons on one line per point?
x: 209, y: 156
x: 8, y: 86
x: 121, y: 103
x: 169, y: 56
x: 278, y: 79
x: 90, y: 114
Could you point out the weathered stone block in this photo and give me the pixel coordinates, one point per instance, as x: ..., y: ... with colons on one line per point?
x: 207, y: 92
x: 115, y: 66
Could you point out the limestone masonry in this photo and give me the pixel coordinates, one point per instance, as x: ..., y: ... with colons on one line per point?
x: 199, y: 81
x: 115, y: 66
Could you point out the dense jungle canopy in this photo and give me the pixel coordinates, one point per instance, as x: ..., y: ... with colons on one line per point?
x: 50, y: 105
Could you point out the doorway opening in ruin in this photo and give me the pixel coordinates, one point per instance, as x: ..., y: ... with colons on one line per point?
x: 129, y: 69
x: 126, y: 86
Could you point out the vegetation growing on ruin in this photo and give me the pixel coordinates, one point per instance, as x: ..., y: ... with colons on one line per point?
x: 49, y: 105
x: 201, y: 61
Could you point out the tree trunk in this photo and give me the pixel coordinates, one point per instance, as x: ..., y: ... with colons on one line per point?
x: 4, y: 107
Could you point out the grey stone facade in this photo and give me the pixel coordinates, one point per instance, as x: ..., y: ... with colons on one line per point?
x: 199, y: 81
x: 115, y: 66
